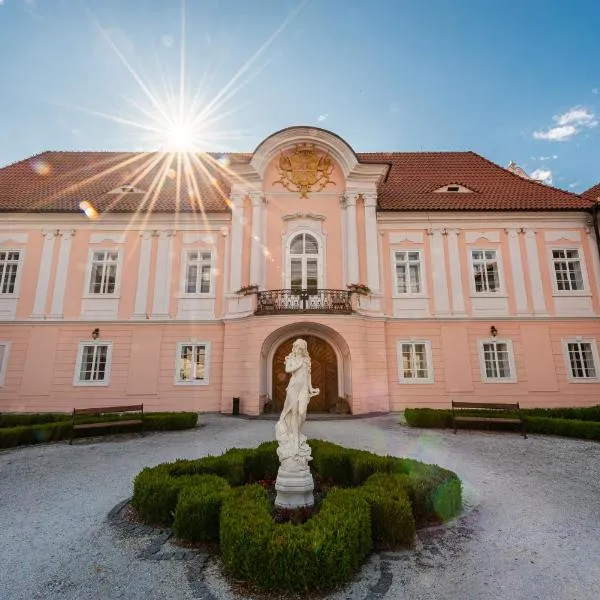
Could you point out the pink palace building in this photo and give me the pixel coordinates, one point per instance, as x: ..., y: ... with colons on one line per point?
x: 181, y: 280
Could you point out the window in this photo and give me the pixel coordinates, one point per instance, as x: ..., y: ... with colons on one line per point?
x: 486, y: 276
x: 4, y: 348
x: 192, y: 363
x: 198, y: 272
x: 103, y: 279
x: 9, y: 265
x: 453, y: 188
x: 408, y: 272
x: 497, y: 364
x: 93, y: 364
x: 582, y: 360
x: 567, y: 270
x: 414, y: 362
x: 304, y: 263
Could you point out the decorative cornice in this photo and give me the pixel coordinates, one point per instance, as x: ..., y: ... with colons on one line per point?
x: 299, y: 215
x: 19, y: 238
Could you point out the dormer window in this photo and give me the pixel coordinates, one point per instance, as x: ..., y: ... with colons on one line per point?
x: 453, y: 188
x: 127, y: 188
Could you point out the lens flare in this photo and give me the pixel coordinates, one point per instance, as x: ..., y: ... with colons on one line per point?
x: 41, y: 167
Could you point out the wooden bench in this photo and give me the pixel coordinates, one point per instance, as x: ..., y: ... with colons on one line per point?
x: 107, y: 410
x: 487, y: 406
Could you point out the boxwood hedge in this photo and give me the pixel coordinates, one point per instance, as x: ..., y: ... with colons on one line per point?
x: 372, y: 501
x: 19, y: 429
x: 581, y: 423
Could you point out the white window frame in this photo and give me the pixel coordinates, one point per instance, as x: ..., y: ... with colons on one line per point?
x: 511, y: 361
x: 4, y: 363
x: 88, y: 275
x: 428, y: 358
x: 291, y: 235
x: 207, y: 356
x: 584, y: 275
x: 183, y: 279
x: 15, y: 292
x: 396, y: 293
x: 581, y: 340
x: 76, y: 376
x: 501, y: 292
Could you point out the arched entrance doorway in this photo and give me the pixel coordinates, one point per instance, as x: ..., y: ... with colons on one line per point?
x: 324, y: 370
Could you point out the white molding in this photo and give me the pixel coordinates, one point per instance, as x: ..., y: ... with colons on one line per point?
x: 511, y: 361
x: 256, y: 253
x: 458, y: 300
x: 62, y: 273
x: 535, y: 275
x: 416, y: 237
x: 17, y: 238
x: 301, y: 215
x: 207, y: 356
x: 198, y: 238
x: 163, y: 274
x: 4, y: 363
x: 43, y: 281
x: 109, y: 236
x: 491, y: 236
x: 106, y: 381
x: 516, y: 264
x: 352, y: 274
x: 581, y: 339
x: 237, y: 238
x: 140, y: 310
x: 428, y: 357
x: 371, y: 245
x: 569, y: 236
x: 441, y: 299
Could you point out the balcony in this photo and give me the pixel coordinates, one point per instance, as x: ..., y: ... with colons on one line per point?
x: 282, y: 302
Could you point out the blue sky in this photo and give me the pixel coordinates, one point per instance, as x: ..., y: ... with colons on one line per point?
x: 511, y: 81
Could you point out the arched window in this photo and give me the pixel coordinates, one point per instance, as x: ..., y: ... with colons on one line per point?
x: 304, y: 269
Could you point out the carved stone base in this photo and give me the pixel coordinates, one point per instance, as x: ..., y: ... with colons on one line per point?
x: 294, y: 489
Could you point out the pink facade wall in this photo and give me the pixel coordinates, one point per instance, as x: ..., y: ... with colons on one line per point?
x: 41, y: 360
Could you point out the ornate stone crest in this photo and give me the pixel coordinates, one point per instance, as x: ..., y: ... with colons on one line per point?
x: 303, y: 170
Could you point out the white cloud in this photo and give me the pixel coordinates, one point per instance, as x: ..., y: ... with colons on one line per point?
x: 322, y: 118
x: 553, y: 157
x: 573, y: 185
x: 543, y: 175
x: 595, y: 91
x: 568, y: 125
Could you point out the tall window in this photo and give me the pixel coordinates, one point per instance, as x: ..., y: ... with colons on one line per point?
x: 304, y: 263
x: 567, y: 269
x: 103, y: 278
x: 408, y: 272
x: 415, y: 362
x: 485, y: 270
x: 192, y: 363
x: 9, y: 265
x: 198, y: 269
x: 93, y: 364
x: 497, y: 361
x: 581, y: 360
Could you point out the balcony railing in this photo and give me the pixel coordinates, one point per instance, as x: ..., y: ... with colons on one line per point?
x: 277, y: 302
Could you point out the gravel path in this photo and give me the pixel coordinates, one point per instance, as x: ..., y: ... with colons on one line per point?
x: 531, y: 528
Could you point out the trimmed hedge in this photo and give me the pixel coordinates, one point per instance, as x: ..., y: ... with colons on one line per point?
x: 534, y: 422
x: 197, y: 515
x: 380, y: 502
x: 24, y: 429
x: 322, y: 553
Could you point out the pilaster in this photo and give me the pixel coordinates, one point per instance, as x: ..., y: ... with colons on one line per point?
x: 371, y: 243
x: 162, y: 281
x: 43, y: 282
x: 441, y: 300
x: 256, y: 253
x: 516, y: 266
x: 458, y: 300
x: 237, y: 234
x: 350, y: 198
x: 141, y: 292
x: 62, y: 271
x: 535, y: 275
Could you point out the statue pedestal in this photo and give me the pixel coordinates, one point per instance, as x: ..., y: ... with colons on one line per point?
x: 294, y: 488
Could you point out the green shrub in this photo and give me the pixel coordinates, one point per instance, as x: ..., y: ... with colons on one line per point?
x: 170, y: 421
x: 587, y: 430
x: 34, y: 434
x: 428, y: 417
x: 332, y: 462
x: 365, y: 464
x: 19, y: 419
x: 230, y: 466
x: 587, y: 413
x: 392, y: 521
x: 320, y: 554
x: 262, y: 462
x: 199, y: 507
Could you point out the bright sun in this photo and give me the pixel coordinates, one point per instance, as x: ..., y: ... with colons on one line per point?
x: 180, y: 138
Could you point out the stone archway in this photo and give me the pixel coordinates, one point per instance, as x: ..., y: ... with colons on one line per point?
x: 324, y: 369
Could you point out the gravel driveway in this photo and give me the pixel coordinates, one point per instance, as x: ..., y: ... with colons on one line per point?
x: 531, y: 528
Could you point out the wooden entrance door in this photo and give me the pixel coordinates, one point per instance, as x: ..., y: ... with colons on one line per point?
x: 323, y: 369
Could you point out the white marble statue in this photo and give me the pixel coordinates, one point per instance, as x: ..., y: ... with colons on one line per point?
x: 294, y: 481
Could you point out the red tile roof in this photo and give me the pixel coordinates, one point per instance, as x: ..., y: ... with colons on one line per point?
x: 593, y: 193
x: 59, y: 181
x: 414, y: 176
